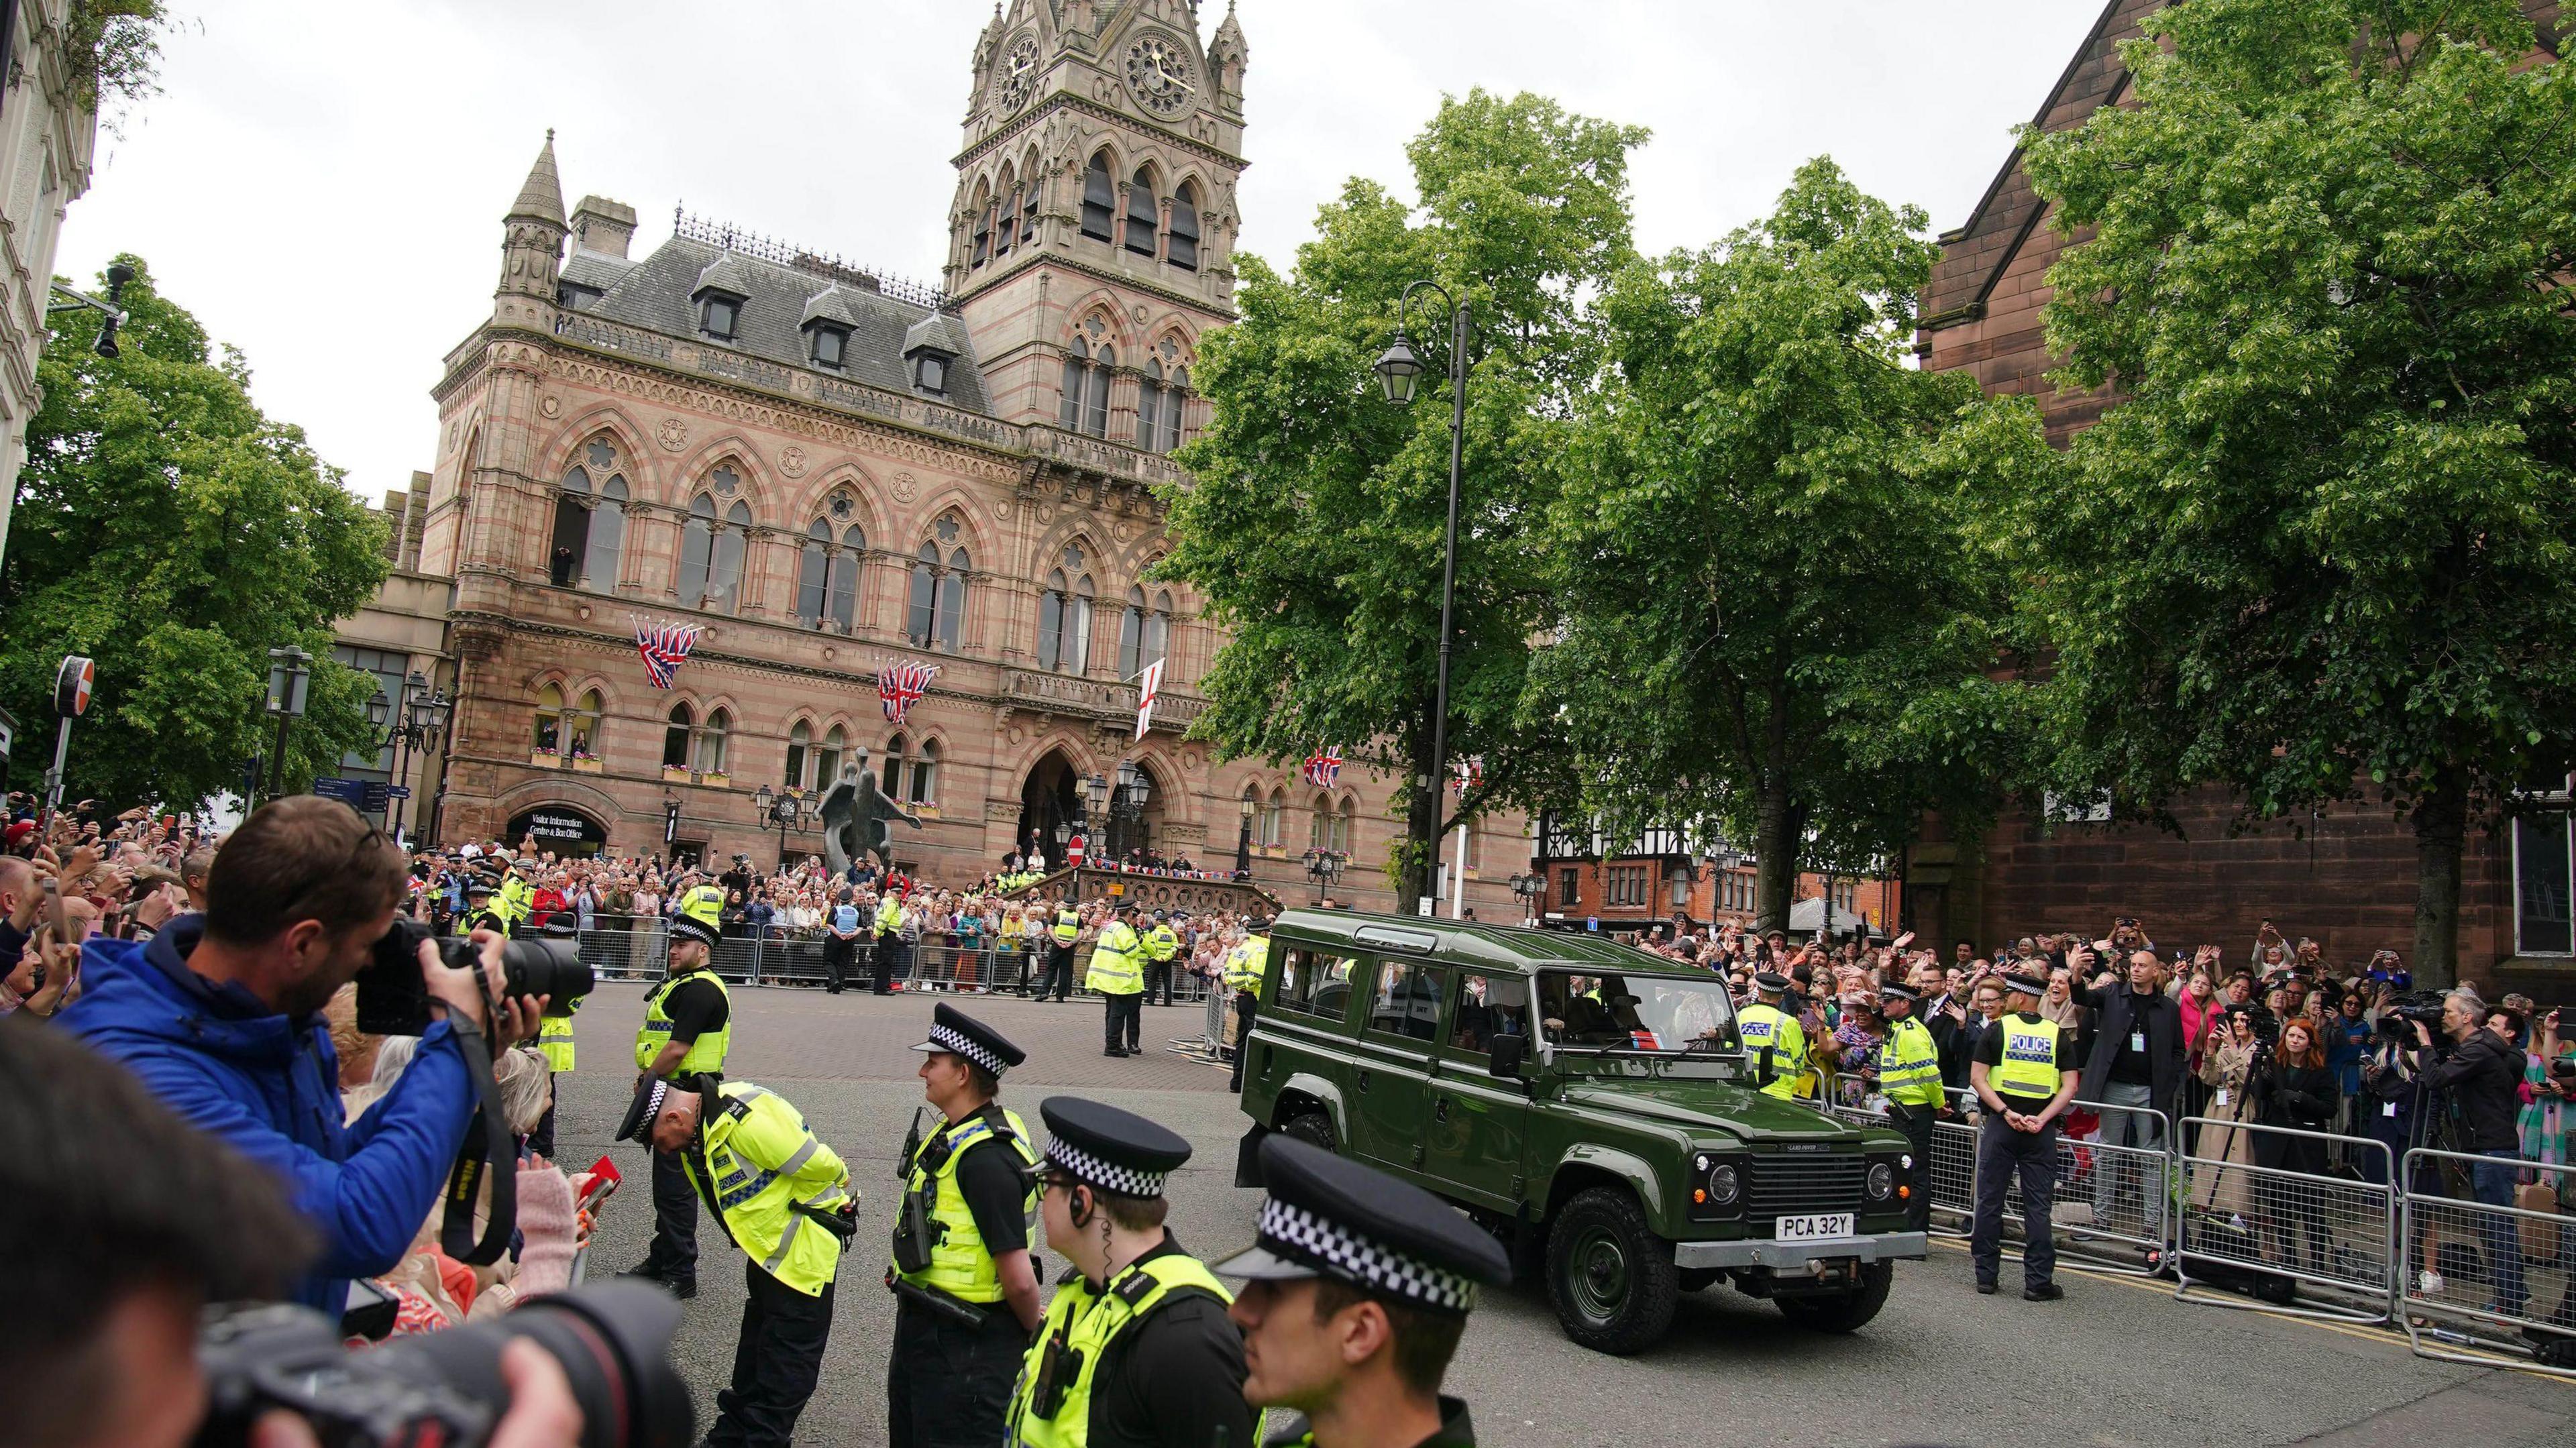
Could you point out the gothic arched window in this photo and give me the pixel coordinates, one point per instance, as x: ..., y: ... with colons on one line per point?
x: 572, y: 529
x: 925, y: 775
x: 675, y: 736
x: 1077, y: 373
x: 607, y: 538
x: 983, y: 223
x: 920, y: 612
x: 1029, y: 201
x: 697, y: 547
x: 897, y: 749
x: 550, y: 708
x: 1051, y: 605
x: 1143, y: 220
x: 827, y: 760
x: 841, y: 581
x: 1185, y: 227
x: 1095, y: 411
x: 1077, y: 628
x: 952, y: 600
x: 1273, y: 820
x: 1158, y: 629
x: 1149, y: 406
x: 1099, y: 199
x: 800, y: 742
x: 712, y: 742
x: 1175, y: 400
x: 1008, y: 230
x: 1131, y: 635
x: 810, y: 572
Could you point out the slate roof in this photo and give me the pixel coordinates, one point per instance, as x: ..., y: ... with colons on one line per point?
x: 654, y: 294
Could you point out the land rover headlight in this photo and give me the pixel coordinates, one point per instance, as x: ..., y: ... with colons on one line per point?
x: 1725, y: 1184
x: 1881, y: 1181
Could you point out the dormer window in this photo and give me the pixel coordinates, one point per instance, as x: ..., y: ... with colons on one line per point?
x: 930, y: 372
x: 719, y: 315
x: 574, y: 297
x: 826, y: 345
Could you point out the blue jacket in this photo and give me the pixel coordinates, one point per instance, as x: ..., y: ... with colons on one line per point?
x: 270, y: 1086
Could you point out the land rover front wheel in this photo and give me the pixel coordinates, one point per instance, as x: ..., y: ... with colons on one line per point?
x: 1845, y: 1312
x: 1609, y: 1276
x: 1314, y: 1127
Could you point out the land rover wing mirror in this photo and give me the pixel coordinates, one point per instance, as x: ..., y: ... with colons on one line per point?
x: 1506, y: 1055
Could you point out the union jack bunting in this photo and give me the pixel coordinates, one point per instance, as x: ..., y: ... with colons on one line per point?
x: 1323, y: 767
x: 900, y: 686
x: 665, y: 647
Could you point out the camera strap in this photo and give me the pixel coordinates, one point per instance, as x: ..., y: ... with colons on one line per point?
x: 489, y: 1153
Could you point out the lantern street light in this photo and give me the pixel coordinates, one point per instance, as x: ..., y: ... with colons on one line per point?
x: 786, y: 810
x: 1324, y: 870
x: 414, y: 724
x: 1530, y: 889
x: 1243, y: 843
x: 1398, y: 369
x: 289, y: 669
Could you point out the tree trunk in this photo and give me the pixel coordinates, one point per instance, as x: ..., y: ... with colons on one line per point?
x: 2441, y: 831
x: 1779, y: 826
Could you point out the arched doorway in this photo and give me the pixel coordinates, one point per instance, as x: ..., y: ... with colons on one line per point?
x: 1050, y: 806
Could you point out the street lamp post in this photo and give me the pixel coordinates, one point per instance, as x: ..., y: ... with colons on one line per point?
x: 1529, y: 888
x: 410, y: 726
x: 785, y: 810
x: 1323, y: 870
x: 1096, y: 791
x: 1397, y: 370
x: 1243, y: 843
x: 289, y: 669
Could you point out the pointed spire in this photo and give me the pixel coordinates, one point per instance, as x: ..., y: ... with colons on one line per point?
x: 541, y: 199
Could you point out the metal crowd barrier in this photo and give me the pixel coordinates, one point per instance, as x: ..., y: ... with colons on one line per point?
x: 2249, y: 1222
x: 2476, y: 1251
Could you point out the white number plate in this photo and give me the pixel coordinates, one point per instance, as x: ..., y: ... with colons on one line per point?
x: 1821, y: 1227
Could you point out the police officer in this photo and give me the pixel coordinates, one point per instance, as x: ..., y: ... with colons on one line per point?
x: 2023, y: 1075
x: 783, y: 1197
x: 478, y: 913
x: 1358, y: 1288
x: 554, y: 1042
x: 889, y: 935
x: 516, y: 899
x: 1063, y: 933
x: 1773, y: 1038
x: 1118, y: 973
x: 1244, y: 965
x: 1135, y: 1350
x: 687, y: 1027
x: 1161, y: 944
x: 1909, y: 1074
x: 966, y: 1289
x: 841, y: 944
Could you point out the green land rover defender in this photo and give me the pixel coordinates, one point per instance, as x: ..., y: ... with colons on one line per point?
x: 1588, y: 1102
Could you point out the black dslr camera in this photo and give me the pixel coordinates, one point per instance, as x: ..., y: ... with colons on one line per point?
x: 393, y: 1000
x: 613, y: 1342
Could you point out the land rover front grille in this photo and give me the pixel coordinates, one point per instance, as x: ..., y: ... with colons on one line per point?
x: 1797, y: 1184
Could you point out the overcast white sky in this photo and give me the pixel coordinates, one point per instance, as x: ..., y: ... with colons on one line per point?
x: 322, y: 181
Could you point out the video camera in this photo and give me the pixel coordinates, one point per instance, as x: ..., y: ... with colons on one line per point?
x: 612, y: 1340
x: 2398, y: 1020
x: 394, y: 1001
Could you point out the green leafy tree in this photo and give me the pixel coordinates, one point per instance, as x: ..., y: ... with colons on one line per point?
x: 2325, y: 546
x: 1314, y: 526
x: 1771, y: 620
x: 169, y: 530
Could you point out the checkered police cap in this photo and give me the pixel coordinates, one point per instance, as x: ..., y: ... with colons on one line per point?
x: 957, y: 1042
x: 1108, y: 1176
x: 1338, y: 1251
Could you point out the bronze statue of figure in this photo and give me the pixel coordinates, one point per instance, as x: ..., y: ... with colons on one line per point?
x: 855, y: 815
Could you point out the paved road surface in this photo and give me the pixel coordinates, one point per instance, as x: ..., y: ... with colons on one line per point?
x: 2116, y: 1363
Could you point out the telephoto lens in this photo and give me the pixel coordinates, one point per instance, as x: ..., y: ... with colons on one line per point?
x: 613, y: 1341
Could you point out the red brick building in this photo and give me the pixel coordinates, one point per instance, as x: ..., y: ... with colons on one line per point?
x: 2345, y: 875
x: 1666, y: 873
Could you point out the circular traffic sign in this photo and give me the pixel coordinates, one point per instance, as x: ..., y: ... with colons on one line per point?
x: 72, y: 684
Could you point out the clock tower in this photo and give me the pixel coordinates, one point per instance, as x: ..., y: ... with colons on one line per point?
x: 1091, y: 241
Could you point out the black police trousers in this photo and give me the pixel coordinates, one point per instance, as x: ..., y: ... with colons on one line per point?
x: 1059, y: 972
x: 776, y: 1362
x: 1245, y: 1004
x: 949, y: 1385
x: 2003, y: 1155
x: 837, y: 954
x: 1125, y: 1019
x: 674, y: 1254
x: 1916, y: 1123
x: 1158, y: 971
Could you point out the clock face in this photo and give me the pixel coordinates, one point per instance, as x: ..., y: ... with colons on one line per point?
x: 1158, y: 72
x: 1017, y: 74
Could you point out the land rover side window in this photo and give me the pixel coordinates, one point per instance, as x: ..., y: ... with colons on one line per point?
x: 1642, y: 1013
x: 1315, y: 983
x: 1407, y: 1002
x: 1488, y: 1006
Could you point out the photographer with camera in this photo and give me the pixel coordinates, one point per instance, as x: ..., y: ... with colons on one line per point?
x: 120, y: 1223
x: 2480, y: 1078
x: 220, y: 1015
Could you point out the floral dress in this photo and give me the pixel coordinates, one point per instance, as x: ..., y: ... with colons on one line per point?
x: 2543, y: 1122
